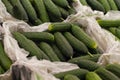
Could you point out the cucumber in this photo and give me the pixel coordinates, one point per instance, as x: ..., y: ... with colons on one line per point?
x: 8, y: 6
x: 86, y: 64
x: 58, y: 52
x: 80, y: 73
x: 49, y: 51
x: 84, y: 2
x: 64, y: 12
x: 95, y: 5
x: 41, y: 10
x: 39, y: 36
x: 63, y: 45
x: 114, y: 68
x: 72, y: 11
x: 51, y: 7
x: 31, y: 12
x: 18, y: 10
x: 5, y: 61
x: 54, y: 18
x: 106, y: 75
x: 105, y: 5
x: 70, y: 77
x: 92, y: 76
x: 1, y: 70
x: 115, y: 31
x: 62, y: 3
x: 108, y: 23
x: 29, y: 46
x: 112, y: 5
x: 117, y: 2
x: 75, y: 43
x: 59, y: 26
x: 82, y: 36
x: 94, y: 58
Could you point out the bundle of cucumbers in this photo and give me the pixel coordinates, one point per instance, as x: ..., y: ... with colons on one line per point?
x: 5, y: 61
x: 36, y: 12
x: 102, y: 5
x: 61, y: 42
x: 108, y: 72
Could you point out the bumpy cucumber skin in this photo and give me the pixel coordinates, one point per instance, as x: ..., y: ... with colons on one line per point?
x: 80, y: 73
x: 49, y: 51
x: 105, y: 5
x: 106, y: 75
x: 114, y: 68
x: 94, y: 58
x: 30, y: 46
x: 4, y: 59
x: 31, y: 12
x: 86, y: 64
x: 75, y: 43
x: 63, y: 45
x: 62, y: 3
x: 59, y: 26
x: 92, y: 76
x: 70, y: 77
x: 108, y: 23
x: 52, y: 8
x: 95, y: 5
x: 8, y: 6
x: 58, y: 52
x: 82, y: 36
x: 41, y: 36
x: 41, y: 10
x: 112, y: 5
x: 117, y: 3
x: 18, y: 9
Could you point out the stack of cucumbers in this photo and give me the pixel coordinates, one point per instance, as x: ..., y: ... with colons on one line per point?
x: 102, y: 5
x: 36, y: 12
x: 68, y: 42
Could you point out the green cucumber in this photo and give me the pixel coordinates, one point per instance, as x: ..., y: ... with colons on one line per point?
x: 114, y: 68
x: 84, y: 2
x: 82, y: 36
x: 108, y: 23
x: 59, y: 26
x: 29, y: 46
x: 62, y: 3
x: 117, y: 3
x: 41, y: 10
x: 51, y: 7
x: 31, y: 12
x: 18, y: 10
x: 1, y: 70
x: 105, y: 5
x: 41, y: 36
x: 63, y: 45
x: 95, y: 5
x: 112, y: 5
x: 70, y: 77
x: 5, y: 61
x: 92, y: 76
x: 75, y: 43
x: 94, y: 58
x: 64, y: 12
x: 48, y: 51
x: 8, y: 6
x: 106, y: 75
x: 58, y: 52
x: 86, y: 64
x: 81, y: 73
